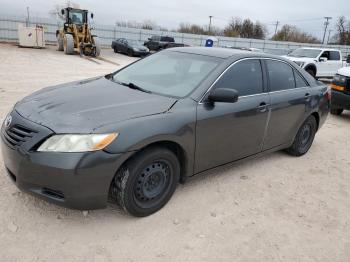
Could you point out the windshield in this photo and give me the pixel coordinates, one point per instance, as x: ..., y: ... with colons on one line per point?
x: 135, y: 43
x: 168, y: 73
x: 77, y: 17
x: 302, y: 52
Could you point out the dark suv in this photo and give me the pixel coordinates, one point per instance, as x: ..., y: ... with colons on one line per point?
x: 156, y: 43
x: 133, y: 135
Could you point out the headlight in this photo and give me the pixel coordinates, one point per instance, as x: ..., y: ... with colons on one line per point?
x: 77, y: 143
x: 299, y: 63
x: 136, y: 49
x: 339, y: 79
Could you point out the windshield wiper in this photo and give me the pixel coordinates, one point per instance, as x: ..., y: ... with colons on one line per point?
x: 135, y: 87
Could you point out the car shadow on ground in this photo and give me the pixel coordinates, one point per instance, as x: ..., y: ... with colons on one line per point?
x: 113, y: 211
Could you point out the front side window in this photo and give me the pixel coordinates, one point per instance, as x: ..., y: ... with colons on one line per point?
x: 281, y: 75
x: 169, y: 73
x: 334, y: 56
x: 245, y: 77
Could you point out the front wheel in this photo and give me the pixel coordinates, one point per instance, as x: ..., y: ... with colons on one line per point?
x: 147, y: 181
x: 337, y: 111
x: 304, y: 138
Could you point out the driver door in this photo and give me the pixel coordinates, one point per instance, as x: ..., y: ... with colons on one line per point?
x: 226, y: 132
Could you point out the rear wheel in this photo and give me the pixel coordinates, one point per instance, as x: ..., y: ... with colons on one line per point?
x: 130, y: 52
x: 60, y: 43
x: 115, y: 49
x: 312, y: 72
x: 68, y: 44
x: 97, y: 46
x: 304, y: 138
x: 147, y: 181
x: 337, y: 111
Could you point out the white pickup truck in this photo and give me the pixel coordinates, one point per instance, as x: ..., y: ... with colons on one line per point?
x: 318, y: 62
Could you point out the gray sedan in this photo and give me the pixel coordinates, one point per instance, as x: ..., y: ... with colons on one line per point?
x: 133, y: 135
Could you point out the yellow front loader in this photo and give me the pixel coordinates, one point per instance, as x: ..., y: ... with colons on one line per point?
x: 75, y: 36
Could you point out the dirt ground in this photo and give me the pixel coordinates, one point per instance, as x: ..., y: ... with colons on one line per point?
x: 275, y: 208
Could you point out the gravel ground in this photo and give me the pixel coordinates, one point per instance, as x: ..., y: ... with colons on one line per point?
x: 275, y: 208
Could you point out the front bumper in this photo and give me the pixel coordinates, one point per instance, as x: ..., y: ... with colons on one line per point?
x: 74, y: 180
x: 340, y: 100
x: 141, y: 53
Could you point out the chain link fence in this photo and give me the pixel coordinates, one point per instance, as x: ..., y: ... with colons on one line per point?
x: 108, y: 33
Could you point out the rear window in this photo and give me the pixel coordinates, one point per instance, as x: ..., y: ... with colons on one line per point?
x: 167, y: 39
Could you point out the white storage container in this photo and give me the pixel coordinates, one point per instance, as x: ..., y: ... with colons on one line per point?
x: 31, y: 36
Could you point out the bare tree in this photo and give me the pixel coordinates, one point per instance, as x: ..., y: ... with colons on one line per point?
x: 293, y: 34
x: 245, y: 29
x: 343, y: 28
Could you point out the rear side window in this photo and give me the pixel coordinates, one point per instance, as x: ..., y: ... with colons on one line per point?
x: 281, y: 75
x: 334, y: 55
x: 245, y: 77
x: 299, y: 80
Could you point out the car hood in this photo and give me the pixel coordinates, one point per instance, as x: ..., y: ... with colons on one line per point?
x: 300, y: 59
x: 83, y: 106
x: 345, y: 71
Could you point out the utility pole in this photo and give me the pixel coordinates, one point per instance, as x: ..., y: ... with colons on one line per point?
x: 210, y: 17
x: 326, y: 24
x: 329, y: 35
x: 27, y: 22
x: 277, y: 24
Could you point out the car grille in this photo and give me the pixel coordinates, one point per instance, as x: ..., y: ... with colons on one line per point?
x: 17, y: 134
x: 348, y: 85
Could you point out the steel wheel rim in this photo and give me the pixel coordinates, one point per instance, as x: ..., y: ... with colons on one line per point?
x: 152, y: 183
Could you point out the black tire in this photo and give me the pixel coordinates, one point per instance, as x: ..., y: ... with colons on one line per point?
x: 96, y: 41
x: 147, y: 181
x: 304, y: 138
x: 68, y: 44
x: 312, y: 72
x: 337, y: 111
x: 130, y: 52
x: 60, y: 43
x: 115, y: 49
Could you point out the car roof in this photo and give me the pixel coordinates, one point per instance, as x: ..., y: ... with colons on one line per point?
x: 319, y: 48
x: 223, y: 53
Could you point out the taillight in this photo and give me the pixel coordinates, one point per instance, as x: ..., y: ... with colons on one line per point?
x: 328, y: 93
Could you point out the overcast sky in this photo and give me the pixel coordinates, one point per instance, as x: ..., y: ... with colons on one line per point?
x: 308, y: 15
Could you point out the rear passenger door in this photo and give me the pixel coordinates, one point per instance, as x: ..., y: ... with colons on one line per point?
x: 230, y: 131
x: 290, y: 95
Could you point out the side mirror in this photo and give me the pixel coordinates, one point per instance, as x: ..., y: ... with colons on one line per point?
x: 224, y: 95
x: 348, y: 59
x: 62, y: 11
x: 92, y: 15
x: 323, y: 59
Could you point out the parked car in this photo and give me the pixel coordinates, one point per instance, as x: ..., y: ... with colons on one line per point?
x: 341, y: 91
x: 134, y: 134
x: 156, y: 43
x: 318, y: 62
x: 251, y: 49
x: 129, y: 47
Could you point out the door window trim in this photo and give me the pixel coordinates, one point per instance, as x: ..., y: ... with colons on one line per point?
x: 265, y: 91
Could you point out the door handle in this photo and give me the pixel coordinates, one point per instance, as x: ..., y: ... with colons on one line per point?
x: 262, y: 108
x: 307, y: 97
